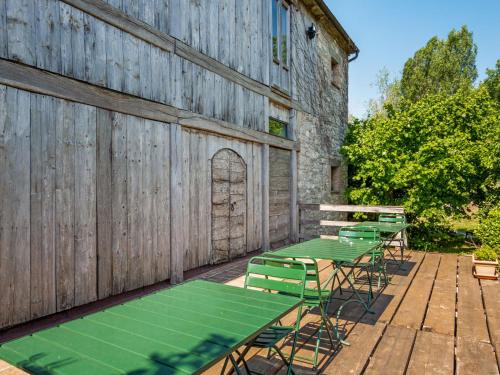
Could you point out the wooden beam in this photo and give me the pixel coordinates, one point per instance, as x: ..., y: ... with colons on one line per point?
x: 353, y: 208
x: 331, y: 223
x: 294, y: 209
x: 46, y: 83
x: 113, y: 16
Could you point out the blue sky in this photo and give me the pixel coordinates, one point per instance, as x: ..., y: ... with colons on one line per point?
x: 388, y: 32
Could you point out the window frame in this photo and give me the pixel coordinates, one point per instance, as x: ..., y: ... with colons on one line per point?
x: 286, y: 125
x: 335, y: 71
x: 279, y: 4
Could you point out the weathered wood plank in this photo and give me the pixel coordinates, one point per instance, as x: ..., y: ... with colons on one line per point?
x: 412, y: 310
x: 471, y: 321
x: 131, y: 59
x: 48, y: 37
x: 43, y: 179
x: 148, y: 213
x: 432, y: 353
x: 85, y: 205
x: 135, y: 155
x: 475, y: 357
x: 354, y: 208
x: 95, y: 50
x: 3, y: 28
x: 177, y: 206
x: 393, y: 351
x: 14, y: 206
x: 491, y: 298
x: 65, y: 205
x: 265, y: 198
x: 162, y: 160
x: 119, y: 201
x: 114, y: 59
x: 20, y: 35
x: 104, y: 203
x: 440, y: 316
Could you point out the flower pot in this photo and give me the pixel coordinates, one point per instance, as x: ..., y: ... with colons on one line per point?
x: 485, y: 269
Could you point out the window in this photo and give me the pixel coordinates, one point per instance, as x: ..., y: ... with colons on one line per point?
x: 335, y: 179
x: 277, y: 127
x: 280, y: 32
x: 336, y: 81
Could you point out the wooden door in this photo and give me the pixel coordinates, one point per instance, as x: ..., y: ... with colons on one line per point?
x: 229, y: 209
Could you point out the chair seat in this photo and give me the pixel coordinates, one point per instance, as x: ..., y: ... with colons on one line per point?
x: 271, y: 336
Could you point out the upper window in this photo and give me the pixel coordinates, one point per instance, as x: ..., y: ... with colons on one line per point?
x: 335, y: 73
x: 280, y: 31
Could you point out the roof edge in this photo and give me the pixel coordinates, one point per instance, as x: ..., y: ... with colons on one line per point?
x: 351, y: 45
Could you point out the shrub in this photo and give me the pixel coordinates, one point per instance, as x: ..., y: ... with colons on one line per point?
x: 485, y: 253
x: 488, y: 230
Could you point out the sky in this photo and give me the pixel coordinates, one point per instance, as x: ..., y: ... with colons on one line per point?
x: 388, y: 32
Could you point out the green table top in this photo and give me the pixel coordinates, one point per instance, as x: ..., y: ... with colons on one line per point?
x: 391, y: 228
x: 181, y: 330
x: 338, y: 250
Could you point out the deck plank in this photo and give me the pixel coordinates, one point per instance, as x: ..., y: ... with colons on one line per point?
x: 440, y: 315
x: 433, y: 353
x: 393, y: 351
x: 471, y: 320
x: 475, y: 357
x: 412, y: 310
x: 491, y: 298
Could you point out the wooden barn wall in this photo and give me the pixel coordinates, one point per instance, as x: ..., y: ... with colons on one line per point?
x: 198, y: 150
x: 57, y: 37
x: 85, y: 204
x: 233, y: 32
x: 279, y: 196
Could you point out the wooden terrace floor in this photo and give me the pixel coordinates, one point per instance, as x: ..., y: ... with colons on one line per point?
x: 433, y: 318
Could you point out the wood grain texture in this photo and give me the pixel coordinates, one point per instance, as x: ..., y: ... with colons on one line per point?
x: 104, y: 194
x: 85, y: 205
x: 491, y: 296
x: 61, y: 87
x: 393, y: 351
x: 433, y: 353
x: 440, y: 316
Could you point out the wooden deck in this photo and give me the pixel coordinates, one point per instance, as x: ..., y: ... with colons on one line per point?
x: 433, y: 318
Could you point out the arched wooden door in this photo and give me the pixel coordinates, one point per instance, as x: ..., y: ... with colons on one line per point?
x: 229, y: 208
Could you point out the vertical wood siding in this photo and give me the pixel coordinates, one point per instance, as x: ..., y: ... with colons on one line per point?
x: 85, y: 204
x: 54, y: 36
x: 279, y: 196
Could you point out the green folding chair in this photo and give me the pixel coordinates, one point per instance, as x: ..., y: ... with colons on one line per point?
x: 376, y: 260
x: 276, y: 276
x: 316, y: 295
x: 394, y: 218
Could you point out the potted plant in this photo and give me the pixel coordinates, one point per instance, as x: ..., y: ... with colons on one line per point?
x: 485, y: 263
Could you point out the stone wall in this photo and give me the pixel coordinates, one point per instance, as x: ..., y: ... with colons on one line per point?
x: 321, y: 129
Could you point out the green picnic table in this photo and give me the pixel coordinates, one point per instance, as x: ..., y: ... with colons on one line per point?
x: 389, y: 231
x: 182, y: 330
x: 340, y: 252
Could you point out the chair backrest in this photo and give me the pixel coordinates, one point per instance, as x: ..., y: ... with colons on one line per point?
x: 392, y: 218
x: 276, y: 275
x: 360, y: 232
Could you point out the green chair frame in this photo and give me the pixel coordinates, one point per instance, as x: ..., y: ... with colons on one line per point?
x: 274, y: 275
x: 393, y: 218
x: 377, y: 259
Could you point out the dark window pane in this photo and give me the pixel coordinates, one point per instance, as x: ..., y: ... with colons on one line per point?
x: 278, y: 128
x: 275, y: 29
x: 284, y: 35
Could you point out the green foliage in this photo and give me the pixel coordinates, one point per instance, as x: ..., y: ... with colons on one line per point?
x: 433, y: 156
x: 492, y: 81
x: 488, y: 230
x: 485, y: 253
x: 442, y: 66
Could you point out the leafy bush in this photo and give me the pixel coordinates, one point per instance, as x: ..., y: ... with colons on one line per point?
x: 485, y: 253
x: 433, y: 156
x: 488, y: 230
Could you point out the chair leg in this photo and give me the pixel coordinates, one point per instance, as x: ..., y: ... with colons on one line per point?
x: 283, y: 358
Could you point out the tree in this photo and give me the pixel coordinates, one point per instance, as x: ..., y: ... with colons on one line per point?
x: 442, y: 66
x: 433, y: 156
x: 492, y: 81
x: 389, y: 93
